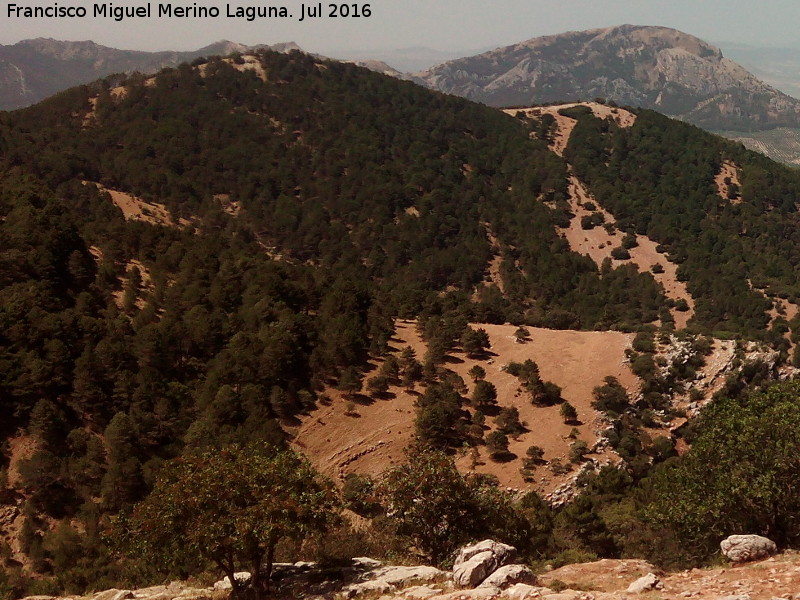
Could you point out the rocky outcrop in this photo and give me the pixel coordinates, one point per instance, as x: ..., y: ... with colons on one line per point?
x: 114, y: 595
x: 509, y: 575
x: 476, y: 562
x: 744, y: 548
x: 645, y: 584
x: 225, y: 584
x: 503, y: 552
x: 776, y: 577
x: 653, y: 67
x: 389, y: 579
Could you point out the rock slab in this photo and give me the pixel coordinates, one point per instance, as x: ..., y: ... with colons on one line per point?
x: 645, y: 584
x: 744, y: 548
x: 476, y: 562
x: 509, y: 575
x: 503, y: 551
x: 388, y: 579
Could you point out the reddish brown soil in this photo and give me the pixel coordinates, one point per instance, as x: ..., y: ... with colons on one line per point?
x: 728, y: 169
x: 597, y: 243
x: 136, y: 209
x: 776, y: 577
x: 565, y: 125
x: 375, y: 439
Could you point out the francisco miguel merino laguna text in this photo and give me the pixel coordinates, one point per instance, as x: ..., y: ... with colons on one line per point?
x: 161, y: 10
x: 180, y: 11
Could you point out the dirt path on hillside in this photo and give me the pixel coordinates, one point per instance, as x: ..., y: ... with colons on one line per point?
x: 565, y: 125
x: 147, y: 286
x: 495, y: 277
x: 728, y: 171
x: 598, y: 243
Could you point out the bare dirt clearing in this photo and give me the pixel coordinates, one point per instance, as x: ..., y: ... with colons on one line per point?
x: 146, y: 286
x: 376, y: 439
x: 730, y: 172
x: 494, y: 274
x: 245, y: 63
x: 598, y: 243
x: 136, y: 209
x: 565, y: 125
x: 231, y: 207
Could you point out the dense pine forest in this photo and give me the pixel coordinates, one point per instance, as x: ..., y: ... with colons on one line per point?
x: 359, y: 199
x: 725, y: 248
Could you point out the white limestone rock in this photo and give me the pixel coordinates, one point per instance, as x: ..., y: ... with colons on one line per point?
x: 645, y: 584
x: 744, y: 548
x: 509, y: 575
x: 391, y: 578
x: 225, y: 584
x: 476, y: 562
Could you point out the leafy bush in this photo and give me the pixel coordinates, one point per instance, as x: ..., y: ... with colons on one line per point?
x: 738, y: 476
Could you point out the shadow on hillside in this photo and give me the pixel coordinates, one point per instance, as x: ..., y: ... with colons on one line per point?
x: 361, y: 399
x: 503, y: 457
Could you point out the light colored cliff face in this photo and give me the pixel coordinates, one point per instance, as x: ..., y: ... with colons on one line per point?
x: 653, y: 67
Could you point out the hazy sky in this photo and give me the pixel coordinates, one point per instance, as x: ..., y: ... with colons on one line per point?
x: 439, y: 24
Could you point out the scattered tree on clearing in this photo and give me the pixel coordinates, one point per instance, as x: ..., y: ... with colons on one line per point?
x: 474, y: 342
x: 378, y: 385
x: 544, y: 393
x: 508, y: 421
x: 484, y: 395
x: 611, y: 397
x: 522, y: 335
x: 350, y: 381
x: 477, y: 373
x: 232, y: 507
x: 497, y: 444
x: 577, y: 450
x: 568, y: 413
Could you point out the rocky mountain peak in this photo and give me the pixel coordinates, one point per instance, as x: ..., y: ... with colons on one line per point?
x: 654, y: 67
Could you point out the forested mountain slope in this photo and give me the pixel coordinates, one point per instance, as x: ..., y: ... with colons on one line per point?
x: 32, y: 70
x: 190, y: 259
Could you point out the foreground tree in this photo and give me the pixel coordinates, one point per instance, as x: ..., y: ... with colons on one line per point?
x: 232, y: 507
x: 740, y: 476
x: 437, y: 509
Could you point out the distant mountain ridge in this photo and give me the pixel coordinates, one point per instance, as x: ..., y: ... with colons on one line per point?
x: 653, y: 67
x: 32, y: 70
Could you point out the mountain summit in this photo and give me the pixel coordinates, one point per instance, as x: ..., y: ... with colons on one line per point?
x: 32, y: 70
x: 653, y: 67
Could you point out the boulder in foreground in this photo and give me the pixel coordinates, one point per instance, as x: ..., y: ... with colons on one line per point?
x: 744, y: 548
